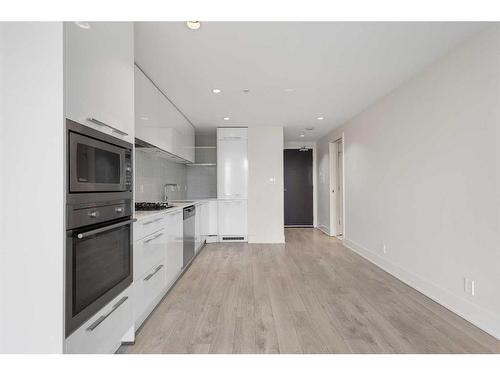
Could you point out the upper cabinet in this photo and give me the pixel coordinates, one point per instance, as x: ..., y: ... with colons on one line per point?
x: 99, y: 86
x: 158, y: 122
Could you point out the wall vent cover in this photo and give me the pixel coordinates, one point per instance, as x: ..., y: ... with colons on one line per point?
x: 234, y: 238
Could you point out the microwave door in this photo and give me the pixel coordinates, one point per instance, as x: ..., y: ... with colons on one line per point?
x: 95, y: 166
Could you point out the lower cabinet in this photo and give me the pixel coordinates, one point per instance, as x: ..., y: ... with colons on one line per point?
x: 149, y: 290
x: 158, y: 259
x: 104, y: 332
x: 197, y: 227
x: 173, y: 252
x: 232, y: 220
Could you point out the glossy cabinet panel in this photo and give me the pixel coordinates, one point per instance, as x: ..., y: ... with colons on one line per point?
x: 99, y: 76
x: 158, y: 122
x: 232, y: 217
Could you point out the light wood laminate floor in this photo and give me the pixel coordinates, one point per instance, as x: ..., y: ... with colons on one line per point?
x: 311, y: 295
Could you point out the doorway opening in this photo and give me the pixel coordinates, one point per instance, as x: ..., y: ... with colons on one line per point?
x: 337, y: 188
x: 298, y: 187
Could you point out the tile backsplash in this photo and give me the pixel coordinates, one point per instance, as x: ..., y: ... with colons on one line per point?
x: 152, y: 172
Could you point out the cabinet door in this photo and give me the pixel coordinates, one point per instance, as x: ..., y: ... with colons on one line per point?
x: 149, y: 290
x: 197, y: 227
x: 212, y: 218
x: 99, y: 77
x: 173, y: 256
x: 232, y: 169
x: 232, y: 217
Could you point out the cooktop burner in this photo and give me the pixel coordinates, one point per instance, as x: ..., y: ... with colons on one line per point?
x: 151, y: 206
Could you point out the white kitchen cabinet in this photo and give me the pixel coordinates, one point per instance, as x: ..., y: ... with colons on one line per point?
x: 148, y: 226
x: 197, y: 227
x: 99, y: 76
x: 174, y: 248
x: 158, y: 122
x: 204, y: 220
x: 103, y: 332
x: 232, y: 169
x: 212, y: 225
x: 232, y: 183
x: 232, y: 220
x: 149, y: 290
x: 150, y: 251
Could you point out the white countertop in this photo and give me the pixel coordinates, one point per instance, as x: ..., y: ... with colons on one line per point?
x: 178, y: 205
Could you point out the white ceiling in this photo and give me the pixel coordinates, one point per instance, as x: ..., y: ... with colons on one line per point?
x: 335, y: 69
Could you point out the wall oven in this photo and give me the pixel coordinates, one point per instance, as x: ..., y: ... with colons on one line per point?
x: 98, y: 222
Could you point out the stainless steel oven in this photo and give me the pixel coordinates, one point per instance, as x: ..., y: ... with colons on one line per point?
x: 97, y: 162
x: 98, y: 222
x: 98, y: 268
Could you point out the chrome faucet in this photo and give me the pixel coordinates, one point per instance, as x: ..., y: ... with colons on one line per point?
x: 165, y: 191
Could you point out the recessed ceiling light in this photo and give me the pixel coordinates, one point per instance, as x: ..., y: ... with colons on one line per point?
x: 320, y: 118
x: 193, y: 25
x: 288, y: 91
x: 82, y: 25
x: 226, y: 118
x: 302, y: 135
x: 145, y: 118
x: 216, y: 91
x: 310, y: 128
x: 246, y: 91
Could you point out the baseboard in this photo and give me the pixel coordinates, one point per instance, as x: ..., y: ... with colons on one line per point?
x: 324, y: 229
x: 485, y: 319
x: 269, y: 240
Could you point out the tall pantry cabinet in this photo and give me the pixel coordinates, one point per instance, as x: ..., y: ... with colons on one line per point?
x: 232, y: 184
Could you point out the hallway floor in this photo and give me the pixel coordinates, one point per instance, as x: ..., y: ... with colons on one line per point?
x: 311, y: 295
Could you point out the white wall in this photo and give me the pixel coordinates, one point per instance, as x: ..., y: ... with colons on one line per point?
x: 422, y: 176
x: 265, y: 185
x: 32, y: 187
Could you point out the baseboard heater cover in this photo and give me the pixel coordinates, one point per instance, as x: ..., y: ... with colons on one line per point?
x: 233, y: 238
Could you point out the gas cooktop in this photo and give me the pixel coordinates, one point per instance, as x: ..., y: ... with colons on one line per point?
x: 152, y: 206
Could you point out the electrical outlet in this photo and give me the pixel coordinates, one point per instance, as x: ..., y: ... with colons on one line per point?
x: 469, y: 286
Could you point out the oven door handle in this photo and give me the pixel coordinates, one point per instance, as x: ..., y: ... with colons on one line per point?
x: 104, y: 229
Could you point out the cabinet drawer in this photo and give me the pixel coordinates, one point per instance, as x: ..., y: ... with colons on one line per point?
x: 149, y: 252
x: 149, y: 291
x: 149, y: 226
x: 102, y: 334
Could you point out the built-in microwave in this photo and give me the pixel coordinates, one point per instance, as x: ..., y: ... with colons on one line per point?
x: 97, y: 162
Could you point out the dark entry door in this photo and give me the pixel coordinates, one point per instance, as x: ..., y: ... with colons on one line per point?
x: 298, y: 181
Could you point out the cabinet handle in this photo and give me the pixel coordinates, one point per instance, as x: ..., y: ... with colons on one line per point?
x: 153, y: 221
x: 103, y: 317
x: 153, y: 273
x: 97, y: 122
x: 154, y: 238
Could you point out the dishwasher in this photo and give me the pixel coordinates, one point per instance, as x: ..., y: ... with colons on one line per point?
x: 188, y: 231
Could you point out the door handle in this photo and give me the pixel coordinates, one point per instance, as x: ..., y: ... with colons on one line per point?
x: 100, y: 123
x: 102, y: 318
x: 154, y: 238
x: 153, y: 273
x: 106, y: 228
